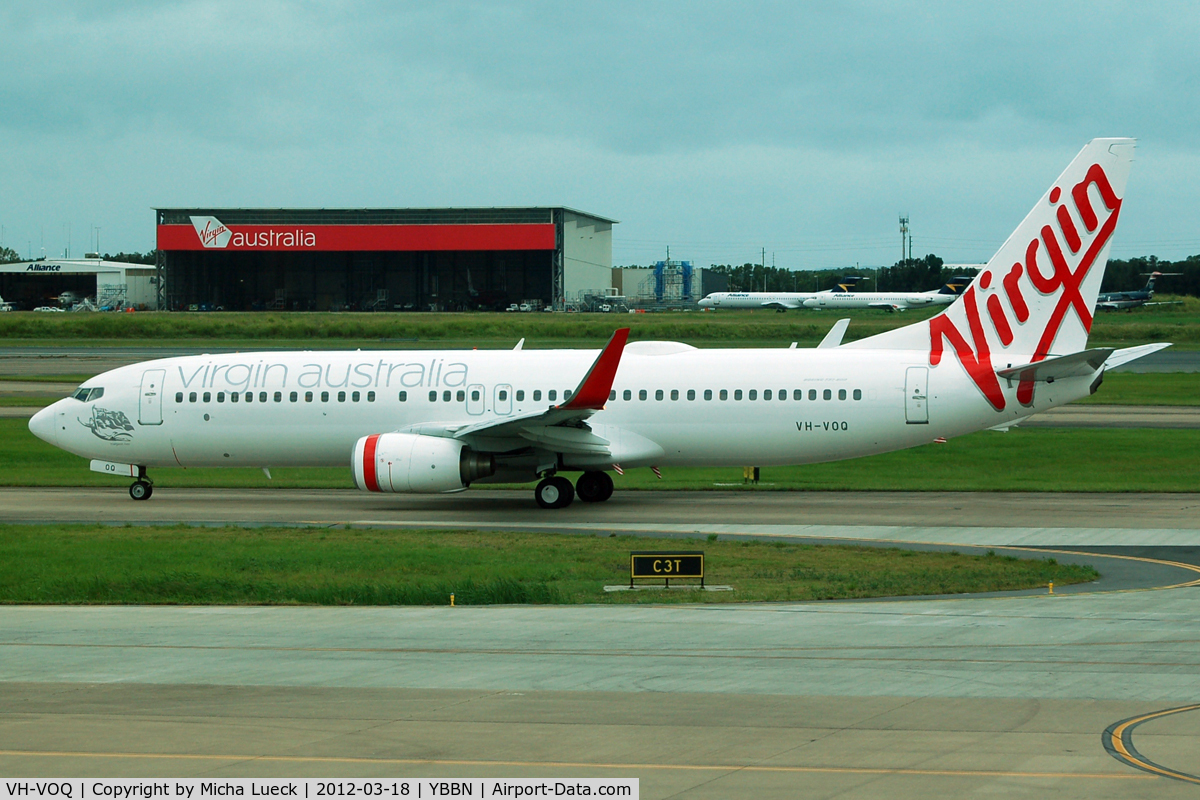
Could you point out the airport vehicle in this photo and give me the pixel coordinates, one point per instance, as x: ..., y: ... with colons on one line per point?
x: 888, y: 301
x: 1013, y: 344
x: 1123, y: 301
x: 5, y: 305
x: 780, y: 301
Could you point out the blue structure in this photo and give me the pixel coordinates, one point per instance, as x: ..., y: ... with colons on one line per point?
x: 668, y: 274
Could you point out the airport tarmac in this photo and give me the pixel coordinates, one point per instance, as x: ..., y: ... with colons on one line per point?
x: 1009, y: 696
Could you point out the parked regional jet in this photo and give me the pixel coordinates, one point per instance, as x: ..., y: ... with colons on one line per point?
x: 1013, y: 344
x: 780, y: 301
x: 1117, y: 301
x: 889, y: 301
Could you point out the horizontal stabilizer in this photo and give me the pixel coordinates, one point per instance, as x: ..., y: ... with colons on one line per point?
x: 1125, y: 355
x: 1084, y: 362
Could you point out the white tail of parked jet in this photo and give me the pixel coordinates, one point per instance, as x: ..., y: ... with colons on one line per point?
x: 1035, y: 297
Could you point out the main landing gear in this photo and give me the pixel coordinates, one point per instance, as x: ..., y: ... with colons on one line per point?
x: 557, y: 492
x: 143, y: 487
x: 594, y: 487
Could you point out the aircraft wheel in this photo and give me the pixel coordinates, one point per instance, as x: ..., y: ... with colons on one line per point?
x: 141, y: 490
x: 594, y: 487
x: 554, y: 492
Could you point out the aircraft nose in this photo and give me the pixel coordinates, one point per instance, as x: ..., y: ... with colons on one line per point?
x: 42, y: 425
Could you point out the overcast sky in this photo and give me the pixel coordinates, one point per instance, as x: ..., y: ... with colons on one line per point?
x: 715, y: 128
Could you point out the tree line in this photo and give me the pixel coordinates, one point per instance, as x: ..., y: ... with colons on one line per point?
x: 10, y: 256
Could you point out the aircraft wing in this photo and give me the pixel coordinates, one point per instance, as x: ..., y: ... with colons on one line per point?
x: 886, y: 306
x: 560, y: 428
x: 1085, y: 362
x: 783, y: 304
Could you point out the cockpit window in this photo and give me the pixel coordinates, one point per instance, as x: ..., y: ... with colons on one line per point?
x: 85, y: 393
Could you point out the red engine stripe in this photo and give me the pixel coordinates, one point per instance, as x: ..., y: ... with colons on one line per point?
x: 368, y: 464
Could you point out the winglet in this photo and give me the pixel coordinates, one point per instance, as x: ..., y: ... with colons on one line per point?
x: 594, y: 388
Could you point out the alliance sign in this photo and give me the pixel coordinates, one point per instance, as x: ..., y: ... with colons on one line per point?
x: 209, y: 233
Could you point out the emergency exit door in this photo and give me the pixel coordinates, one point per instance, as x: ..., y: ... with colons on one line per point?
x: 916, y: 396
x: 150, y: 405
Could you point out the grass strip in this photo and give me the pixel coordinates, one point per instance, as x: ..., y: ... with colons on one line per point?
x: 93, y: 564
x: 1169, y: 323
x: 1024, y: 459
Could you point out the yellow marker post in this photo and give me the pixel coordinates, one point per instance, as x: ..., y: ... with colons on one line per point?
x: 1051, y: 590
x: 452, y: 597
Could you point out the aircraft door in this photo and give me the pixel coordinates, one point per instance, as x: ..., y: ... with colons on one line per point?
x: 150, y: 402
x: 502, y: 401
x: 475, y: 398
x: 916, y: 396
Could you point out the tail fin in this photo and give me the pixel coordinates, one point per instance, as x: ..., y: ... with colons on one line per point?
x: 1036, y: 295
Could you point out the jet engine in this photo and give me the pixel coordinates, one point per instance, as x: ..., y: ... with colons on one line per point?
x: 408, y: 462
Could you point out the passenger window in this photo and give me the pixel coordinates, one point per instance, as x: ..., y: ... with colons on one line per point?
x: 233, y: 397
x: 783, y: 394
x: 841, y: 394
x: 612, y: 395
x: 354, y: 396
x: 324, y: 397
x: 262, y: 397
x: 552, y: 395
x: 724, y: 395
x: 207, y: 397
x: 567, y: 394
x: 341, y: 397
x: 292, y: 397
x: 307, y: 396
x: 537, y: 395
x: 708, y: 394
x: 827, y: 394
x: 674, y: 394
x: 404, y: 397
x: 520, y: 395
x: 370, y: 397
x: 753, y: 394
x: 433, y: 397
x: 249, y: 397
x: 179, y: 397
x: 812, y: 394
x: 691, y: 395
x: 766, y: 394
x: 446, y: 396
x: 658, y: 394
x: 220, y: 397
x: 192, y: 397
x: 461, y: 396
x: 737, y: 394
x: 797, y: 394
x: 628, y: 395
x: 279, y: 397
x: 858, y: 394
x: 642, y: 394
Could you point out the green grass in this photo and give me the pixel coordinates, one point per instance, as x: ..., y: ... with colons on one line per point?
x: 1024, y: 459
x: 1174, y: 323
x: 55, y: 564
x: 1147, y: 389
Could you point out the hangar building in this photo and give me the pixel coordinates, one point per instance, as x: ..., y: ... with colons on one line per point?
x: 442, y: 259
x: 63, y: 281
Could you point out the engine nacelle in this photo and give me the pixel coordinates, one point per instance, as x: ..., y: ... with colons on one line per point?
x: 409, y: 462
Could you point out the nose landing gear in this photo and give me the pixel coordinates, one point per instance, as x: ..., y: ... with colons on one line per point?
x: 143, y: 487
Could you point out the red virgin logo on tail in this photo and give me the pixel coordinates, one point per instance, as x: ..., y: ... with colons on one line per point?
x: 1063, y: 281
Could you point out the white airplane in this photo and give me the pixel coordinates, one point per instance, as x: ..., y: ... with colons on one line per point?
x: 780, y: 301
x: 1013, y: 344
x: 888, y: 301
